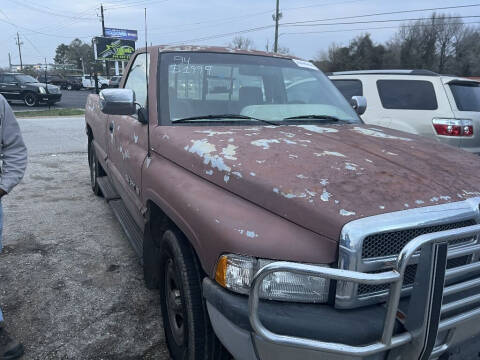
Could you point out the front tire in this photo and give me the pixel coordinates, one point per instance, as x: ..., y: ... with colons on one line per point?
x: 30, y: 99
x: 186, y: 323
x: 95, y: 169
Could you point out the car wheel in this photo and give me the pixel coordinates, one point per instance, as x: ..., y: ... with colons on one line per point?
x: 95, y: 169
x: 104, y: 86
x: 69, y: 87
x: 186, y: 323
x: 30, y: 99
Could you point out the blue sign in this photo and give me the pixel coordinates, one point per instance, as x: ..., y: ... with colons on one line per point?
x: 121, y: 34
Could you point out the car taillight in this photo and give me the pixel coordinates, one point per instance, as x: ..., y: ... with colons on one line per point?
x: 453, y: 127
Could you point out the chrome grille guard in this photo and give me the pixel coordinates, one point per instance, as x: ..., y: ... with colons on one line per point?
x: 423, y: 319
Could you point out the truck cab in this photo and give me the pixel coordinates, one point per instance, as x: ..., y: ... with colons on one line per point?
x: 274, y: 222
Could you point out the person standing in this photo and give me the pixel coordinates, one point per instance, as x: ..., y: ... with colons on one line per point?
x: 14, y: 162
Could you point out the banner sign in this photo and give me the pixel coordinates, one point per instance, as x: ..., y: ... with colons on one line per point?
x: 121, y: 34
x: 111, y: 49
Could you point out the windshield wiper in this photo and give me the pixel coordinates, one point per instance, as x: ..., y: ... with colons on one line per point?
x: 222, y: 117
x: 313, y: 116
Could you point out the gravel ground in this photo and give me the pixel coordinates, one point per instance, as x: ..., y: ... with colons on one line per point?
x: 71, y: 287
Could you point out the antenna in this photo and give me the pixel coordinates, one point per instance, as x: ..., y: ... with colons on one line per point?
x: 146, y: 78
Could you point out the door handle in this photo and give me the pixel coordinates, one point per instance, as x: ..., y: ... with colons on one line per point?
x: 110, y: 127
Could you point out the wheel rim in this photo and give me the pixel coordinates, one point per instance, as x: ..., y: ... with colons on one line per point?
x: 29, y: 100
x: 174, y: 304
x: 69, y: 87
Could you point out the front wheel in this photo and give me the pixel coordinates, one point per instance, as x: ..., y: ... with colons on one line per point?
x: 30, y: 99
x: 185, y: 319
x: 94, y: 169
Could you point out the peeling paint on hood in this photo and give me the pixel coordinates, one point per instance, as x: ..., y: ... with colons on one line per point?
x: 353, y: 177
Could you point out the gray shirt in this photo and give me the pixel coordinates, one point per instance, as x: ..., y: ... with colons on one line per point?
x: 12, y: 148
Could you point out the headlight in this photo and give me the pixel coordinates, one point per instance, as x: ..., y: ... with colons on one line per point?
x: 235, y: 272
x: 41, y: 89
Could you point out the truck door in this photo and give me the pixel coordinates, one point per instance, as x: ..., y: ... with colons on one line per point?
x: 127, y: 143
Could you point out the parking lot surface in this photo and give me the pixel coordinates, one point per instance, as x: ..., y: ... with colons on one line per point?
x: 71, y: 287
x: 71, y: 99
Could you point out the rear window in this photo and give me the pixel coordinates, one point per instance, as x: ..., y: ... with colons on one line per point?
x: 349, y: 88
x: 407, y: 94
x: 467, y: 96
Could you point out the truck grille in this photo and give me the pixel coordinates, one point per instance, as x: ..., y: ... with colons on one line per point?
x: 391, y: 243
x: 409, y: 276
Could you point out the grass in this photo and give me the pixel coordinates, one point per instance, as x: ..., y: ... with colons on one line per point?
x: 51, y: 112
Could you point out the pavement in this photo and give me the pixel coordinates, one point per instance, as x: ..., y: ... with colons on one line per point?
x: 71, y: 99
x: 71, y: 287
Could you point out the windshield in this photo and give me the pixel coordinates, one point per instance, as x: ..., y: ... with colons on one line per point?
x: 25, y: 79
x: 467, y: 96
x: 260, y: 87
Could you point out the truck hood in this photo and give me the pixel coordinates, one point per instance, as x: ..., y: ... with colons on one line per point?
x: 321, y: 177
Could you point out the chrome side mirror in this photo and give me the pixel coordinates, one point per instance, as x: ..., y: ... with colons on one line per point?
x: 118, y: 102
x: 359, y: 104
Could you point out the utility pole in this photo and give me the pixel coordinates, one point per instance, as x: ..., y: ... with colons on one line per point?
x: 103, y: 20
x: 19, y: 43
x: 9, y: 62
x: 103, y: 34
x: 276, y: 17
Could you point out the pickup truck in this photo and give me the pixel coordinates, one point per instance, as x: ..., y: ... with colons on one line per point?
x: 275, y: 224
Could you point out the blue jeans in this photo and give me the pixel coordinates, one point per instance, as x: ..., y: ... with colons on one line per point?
x: 1, y: 228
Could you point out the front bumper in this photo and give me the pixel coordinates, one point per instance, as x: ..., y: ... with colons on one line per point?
x: 254, y: 329
x: 50, y: 98
x: 229, y: 315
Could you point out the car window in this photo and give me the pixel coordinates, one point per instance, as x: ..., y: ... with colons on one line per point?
x: 467, y: 96
x: 136, y: 79
x: 8, y: 79
x: 209, y: 84
x: 349, y: 88
x: 407, y: 94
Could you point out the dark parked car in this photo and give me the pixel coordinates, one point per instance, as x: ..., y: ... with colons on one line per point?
x: 75, y: 82
x: 16, y: 86
x: 114, y: 81
x: 64, y: 82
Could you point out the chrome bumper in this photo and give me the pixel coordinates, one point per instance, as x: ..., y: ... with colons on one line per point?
x: 423, y: 317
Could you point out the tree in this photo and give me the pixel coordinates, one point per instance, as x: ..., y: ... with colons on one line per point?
x: 440, y: 43
x: 77, y: 53
x: 240, y: 42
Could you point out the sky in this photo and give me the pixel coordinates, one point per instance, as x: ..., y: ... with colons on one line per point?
x: 43, y: 25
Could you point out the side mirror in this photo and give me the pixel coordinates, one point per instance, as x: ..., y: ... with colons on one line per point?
x: 359, y: 104
x: 118, y: 102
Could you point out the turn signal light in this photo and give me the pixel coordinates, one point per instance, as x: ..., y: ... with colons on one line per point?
x: 453, y: 127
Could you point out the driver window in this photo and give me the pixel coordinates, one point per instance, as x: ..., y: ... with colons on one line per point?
x: 136, y: 78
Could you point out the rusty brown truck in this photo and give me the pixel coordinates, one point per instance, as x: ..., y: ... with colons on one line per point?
x: 275, y: 224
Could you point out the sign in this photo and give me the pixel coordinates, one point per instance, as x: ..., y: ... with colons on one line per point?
x: 121, y: 34
x: 111, y: 49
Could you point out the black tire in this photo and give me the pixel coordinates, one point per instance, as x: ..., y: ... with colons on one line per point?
x: 30, y: 99
x: 95, y: 169
x: 104, y: 86
x: 186, y: 323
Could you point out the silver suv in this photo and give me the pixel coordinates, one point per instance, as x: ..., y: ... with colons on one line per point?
x: 446, y: 108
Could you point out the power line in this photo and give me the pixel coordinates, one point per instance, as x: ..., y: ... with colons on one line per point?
x: 52, y: 13
x: 216, y: 36
x: 384, y: 13
x: 375, y: 21
x: 379, y: 28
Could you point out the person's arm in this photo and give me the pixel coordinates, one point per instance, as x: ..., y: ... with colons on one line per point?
x: 14, y: 151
